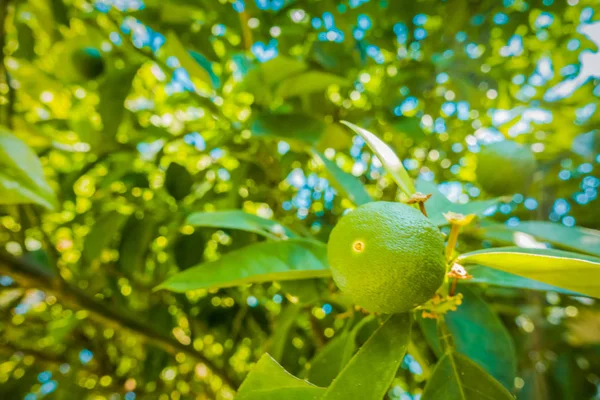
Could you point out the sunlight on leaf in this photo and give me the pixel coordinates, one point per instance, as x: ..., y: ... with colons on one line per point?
x: 388, y: 158
x: 567, y: 270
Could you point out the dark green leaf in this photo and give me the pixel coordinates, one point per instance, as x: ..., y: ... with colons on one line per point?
x: 571, y: 238
x: 285, y: 321
x: 479, y: 334
x: 260, y: 262
x: 269, y: 381
x: 113, y: 91
x: 370, y: 372
x: 178, y: 181
x: 102, y: 233
x: 309, y: 82
x: 237, y: 219
x: 189, y: 250
x: 345, y: 182
x: 388, y: 158
x: 21, y: 175
x: 299, y: 128
x: 456, y: 377
x: 135, y: 243
x: 567, y: 270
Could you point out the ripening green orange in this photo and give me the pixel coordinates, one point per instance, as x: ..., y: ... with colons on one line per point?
x: 387, y: 257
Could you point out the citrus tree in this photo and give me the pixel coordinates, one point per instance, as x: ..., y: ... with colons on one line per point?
x: 299, y: 199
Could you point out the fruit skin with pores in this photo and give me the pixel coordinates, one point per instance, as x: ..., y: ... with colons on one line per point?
x: 505, y: 167
x: 88, y: 62
x: 387, y: 257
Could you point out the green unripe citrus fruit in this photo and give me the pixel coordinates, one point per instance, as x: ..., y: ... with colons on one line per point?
x: 505, y: 168
x: 88, y: 62
x: 387, y: 257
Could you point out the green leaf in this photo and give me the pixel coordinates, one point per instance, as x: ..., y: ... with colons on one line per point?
x: 285, y: 321
x: 102, y: 233
x: 174, y: 47
x: 496, y: 277
x: 277, y: 69
x: 456, y: 377
x: 299, y: 128
x: 370, y: 372
x: 21, y: 175
x: 571, y: 238
x: 178, y: 181
x: 475, y: 322
x: 269, y: 381
x: 135, y: 243
x: 345, y: 182
x: 439, y: 204
x: 113, y: 91
x: 332, y: 358
x: 558, y: 268
x: 309, y: 82
x: 260, y: 262
x: 237, y: 219
x: 306, y: 291
x: 388, y: 158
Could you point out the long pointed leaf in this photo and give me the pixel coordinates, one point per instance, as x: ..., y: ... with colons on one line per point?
x: 564, y: 269
x: 21, y: 175
x: 456, y: 377
x: 237, y: 219
x: 476, y: 322
x: 388, y: 158
x: 370, y: 372
x: 572, y: 238
x: 260, y: 262
x: 270, y: 381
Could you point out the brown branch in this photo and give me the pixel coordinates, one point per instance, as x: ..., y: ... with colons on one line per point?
x: 29, y: 274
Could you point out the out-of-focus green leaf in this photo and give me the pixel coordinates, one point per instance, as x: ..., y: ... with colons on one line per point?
x: 496, y: 277
x: 479, y: 334
x: 309, y: 82
x: 347, y: 183
x: 368, y: 375
x: 60, y: 12
x: 189, y: 249
x: 558, y: 268
x: 135, y: 243
x: 174, y: 47
x: 178, y: 181
x: 388, y: 158
x: 285, y: 322
x: 306, y: 291
x: 277, y: 69
x: 439, y: 204
x: 298, y: 128
x: 102, y: 233
x: 113, y: 91
x: 269, y: 381
x: 260, y: 262
x: 237, y: 219
x: 332, y: 358
x: 456, y: 377
x: 572, y: 238
x: 26, y: 42
x: 21, y: 175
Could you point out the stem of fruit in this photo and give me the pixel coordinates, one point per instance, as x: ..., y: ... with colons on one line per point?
x: 452, y: 239
x: 453, y: 287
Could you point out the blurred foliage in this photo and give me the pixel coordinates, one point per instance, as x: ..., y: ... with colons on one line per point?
x: 126, y: 123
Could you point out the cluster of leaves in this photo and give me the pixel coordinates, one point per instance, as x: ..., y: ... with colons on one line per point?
x: 202, y: 150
